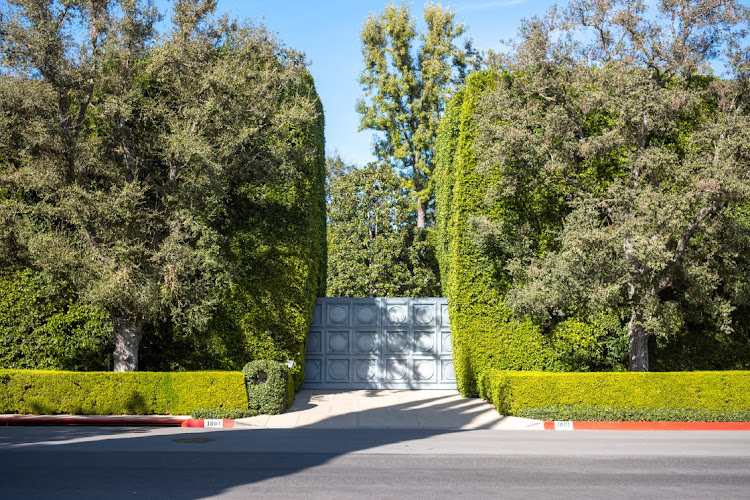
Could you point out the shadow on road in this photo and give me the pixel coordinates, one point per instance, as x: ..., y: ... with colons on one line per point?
x: 85, y: 462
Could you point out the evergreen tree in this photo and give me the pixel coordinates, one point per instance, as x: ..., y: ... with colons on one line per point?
x: 372, y: 249
x: 408, y: 78
x: 641, y: 159
x: 124, y: 149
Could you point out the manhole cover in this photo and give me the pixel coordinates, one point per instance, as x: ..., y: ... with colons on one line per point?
x: 193, y: 440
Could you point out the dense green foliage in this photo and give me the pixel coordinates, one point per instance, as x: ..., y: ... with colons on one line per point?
x: 407, y: 79
x: 374, y: 249
x: 175, y: 183
x: 107, y: 393
x: 223, y: 413
x: 513, y: 392
x: 166, y: 348
x: 43, y: 326
x: 584, y: 413
x: 269, y: 390
x: 591, y: 199
x: 277, y: 253
x: 379, y: 239
x: 484, y: 333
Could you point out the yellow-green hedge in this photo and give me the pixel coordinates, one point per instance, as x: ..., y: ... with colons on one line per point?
x: 108, y: 393
x: 512, y: 392
x: 484, y: 332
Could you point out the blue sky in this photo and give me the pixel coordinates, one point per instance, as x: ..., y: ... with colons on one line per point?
x: 328, y: 32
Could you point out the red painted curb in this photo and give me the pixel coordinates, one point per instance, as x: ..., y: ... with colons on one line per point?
x: 86, y: 420
x: 647, y: 426
x: 201, y: 422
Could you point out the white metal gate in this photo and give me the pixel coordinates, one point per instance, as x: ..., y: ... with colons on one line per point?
x: 385, y: 343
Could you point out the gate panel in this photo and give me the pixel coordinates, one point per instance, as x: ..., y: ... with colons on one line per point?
x: 385, y: 343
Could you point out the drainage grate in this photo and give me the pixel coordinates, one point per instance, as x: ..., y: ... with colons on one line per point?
x: 193, y: 440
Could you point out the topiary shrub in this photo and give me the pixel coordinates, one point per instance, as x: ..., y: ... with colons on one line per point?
x: 269, y: 389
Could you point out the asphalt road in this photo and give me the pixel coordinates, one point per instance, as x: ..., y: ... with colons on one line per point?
x: 315, y: 463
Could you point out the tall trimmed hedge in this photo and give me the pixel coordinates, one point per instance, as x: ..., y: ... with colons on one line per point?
x: 277, y: 252
x: 484, y: 333
x: 108, y: 393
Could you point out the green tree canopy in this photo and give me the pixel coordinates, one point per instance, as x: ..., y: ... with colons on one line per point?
x: 124, y: 148
x: 407, y: 79
x: 636, y: 161
x: 373, y: 250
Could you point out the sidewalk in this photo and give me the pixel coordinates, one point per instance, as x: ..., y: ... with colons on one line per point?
x: 388, y: 409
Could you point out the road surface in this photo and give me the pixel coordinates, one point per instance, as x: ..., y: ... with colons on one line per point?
x: 77, y: 462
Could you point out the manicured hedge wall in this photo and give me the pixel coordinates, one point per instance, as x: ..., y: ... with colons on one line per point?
x: 483, y: 331
x: 513, y: 392
x: 278, y: 251
x: 42, y: 326
x: 482, y: 233
x: 108, y: 393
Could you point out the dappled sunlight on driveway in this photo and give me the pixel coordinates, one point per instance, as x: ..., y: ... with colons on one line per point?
x: 389, y: 409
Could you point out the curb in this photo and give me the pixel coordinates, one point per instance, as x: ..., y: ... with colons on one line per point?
x: 102, y: 421
x: 645, y: 426
x: 208, y: 422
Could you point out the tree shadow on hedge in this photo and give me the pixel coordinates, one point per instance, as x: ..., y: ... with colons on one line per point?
x: 205, y: 463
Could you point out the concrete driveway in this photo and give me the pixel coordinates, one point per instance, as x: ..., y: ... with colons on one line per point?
x: 389, y: 409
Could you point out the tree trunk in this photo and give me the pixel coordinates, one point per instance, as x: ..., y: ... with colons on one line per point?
x: 637, y: 343
x: 420, y: 215
x: 128, y: 333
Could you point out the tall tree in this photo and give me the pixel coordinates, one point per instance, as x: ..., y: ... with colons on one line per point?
x: 649, y: 155
x: 408, y: 78
x: 125, y: 149
x: 372, y: 248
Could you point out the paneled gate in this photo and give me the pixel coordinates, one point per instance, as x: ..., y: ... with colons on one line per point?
x: 385, y: 343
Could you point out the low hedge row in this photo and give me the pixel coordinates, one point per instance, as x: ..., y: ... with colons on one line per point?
x: 585, y: 413
x: 269, y: 392
x: 514, y: 393
x: 108, y: 393
x: 224, y: 413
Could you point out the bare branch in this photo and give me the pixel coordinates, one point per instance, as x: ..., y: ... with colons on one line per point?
x: 667, y: 278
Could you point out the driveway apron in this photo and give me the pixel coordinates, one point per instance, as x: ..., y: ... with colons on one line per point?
x: 389, y: 409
